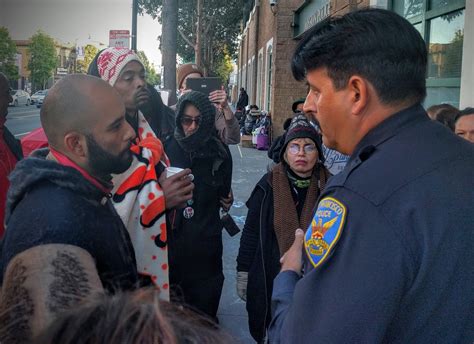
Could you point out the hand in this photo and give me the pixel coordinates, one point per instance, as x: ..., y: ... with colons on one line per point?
x: 178, y: 188
x: 226, y: 202
x: 293, y: 258
x: 241, y: 285
x: 219, y: 97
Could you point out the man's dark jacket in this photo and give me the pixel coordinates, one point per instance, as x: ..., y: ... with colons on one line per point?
x: 48, y: 203
x: 401, y: 270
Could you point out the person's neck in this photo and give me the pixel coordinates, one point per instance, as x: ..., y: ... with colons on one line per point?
x: 374, y: 114
x: 299, y: 175
x: 101, y: 182
x: 132, y: 118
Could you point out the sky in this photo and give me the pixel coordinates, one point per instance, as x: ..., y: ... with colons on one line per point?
x: 79, y: 21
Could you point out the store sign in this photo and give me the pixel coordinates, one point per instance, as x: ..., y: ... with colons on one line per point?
x: 119, y: 38
x: 319, y: 15
x: 80, y: 53
x: 61, y: 71
x: 309, y: 14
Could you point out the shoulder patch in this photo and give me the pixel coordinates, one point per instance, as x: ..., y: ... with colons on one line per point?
x: 325, y: 230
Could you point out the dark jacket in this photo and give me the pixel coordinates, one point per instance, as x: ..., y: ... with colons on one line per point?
x: 243, y: 101
x: 192, y: 241
x: 49, y: 203
x: 195, y: 244
x: 160, y: 117
x: 401, y: 267
x: 12, y: 143
x: 262, y: 263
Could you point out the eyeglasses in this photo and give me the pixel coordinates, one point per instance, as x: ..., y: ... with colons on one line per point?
x: 295, y: 148
x: 187, y: 121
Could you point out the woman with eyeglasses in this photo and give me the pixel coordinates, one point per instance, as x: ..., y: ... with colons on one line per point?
x: 195, y: 229
x: 283, y: 200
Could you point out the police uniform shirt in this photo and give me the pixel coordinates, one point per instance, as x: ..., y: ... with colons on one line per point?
x: 389, y: 256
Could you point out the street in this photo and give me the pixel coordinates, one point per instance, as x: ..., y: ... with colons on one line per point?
x: 249, y: 165
x: 23, y: 119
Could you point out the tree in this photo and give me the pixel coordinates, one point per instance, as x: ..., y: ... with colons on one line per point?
x: 167, y: 13
x: 151, y: 76
x: 220, y: 25
x: 89, y: 53
x: 7, y: 55
x: 224, y: 65
x: 43, y: 58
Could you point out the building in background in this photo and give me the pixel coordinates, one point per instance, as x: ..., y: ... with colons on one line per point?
x: 272, y: 28
x: 23, y: 71
x: 66, y: 60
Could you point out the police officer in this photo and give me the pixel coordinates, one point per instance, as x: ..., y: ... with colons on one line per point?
x: 389, y: 255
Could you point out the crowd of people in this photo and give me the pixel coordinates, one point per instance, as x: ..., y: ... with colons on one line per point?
x: 361, y: 231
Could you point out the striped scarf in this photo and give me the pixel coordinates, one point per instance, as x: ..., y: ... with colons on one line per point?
x: 140, y: 202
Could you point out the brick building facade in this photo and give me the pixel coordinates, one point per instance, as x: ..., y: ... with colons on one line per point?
x: 273, y: 27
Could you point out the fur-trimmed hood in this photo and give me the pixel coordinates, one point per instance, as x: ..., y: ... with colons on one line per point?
x: 37, y: 169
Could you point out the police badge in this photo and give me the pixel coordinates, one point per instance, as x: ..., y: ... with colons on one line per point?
x: 324, y: 230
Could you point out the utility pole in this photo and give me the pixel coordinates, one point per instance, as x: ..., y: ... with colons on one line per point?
x: 197, y: 48
x: 134, y: 24
x: 168, y: 47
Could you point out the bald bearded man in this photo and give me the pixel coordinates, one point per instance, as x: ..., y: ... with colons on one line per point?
x: 64, y: 240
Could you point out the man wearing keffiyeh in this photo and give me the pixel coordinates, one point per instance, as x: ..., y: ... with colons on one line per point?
x: 140, y: 196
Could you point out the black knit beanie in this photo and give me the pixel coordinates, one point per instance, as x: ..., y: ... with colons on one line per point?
x: 206, y: 126
x: 300, y: 127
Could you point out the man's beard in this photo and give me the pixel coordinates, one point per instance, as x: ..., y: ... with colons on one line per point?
x: 102, y: 163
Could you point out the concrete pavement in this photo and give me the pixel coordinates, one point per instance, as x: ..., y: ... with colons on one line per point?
x: 248, y: 169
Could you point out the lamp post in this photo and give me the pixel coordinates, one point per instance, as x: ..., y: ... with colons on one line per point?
x: 72, y: 58
x: 134, y: 24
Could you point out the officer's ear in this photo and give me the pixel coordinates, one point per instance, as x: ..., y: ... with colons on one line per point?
x: 359, y: 93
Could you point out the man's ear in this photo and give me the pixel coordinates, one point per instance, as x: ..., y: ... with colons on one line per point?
x: 359, y: 94
x: 75, y: 144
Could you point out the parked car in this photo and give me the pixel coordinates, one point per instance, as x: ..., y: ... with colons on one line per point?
x: 35, y: 97
x: 41, y: 99
x: 20, y: 97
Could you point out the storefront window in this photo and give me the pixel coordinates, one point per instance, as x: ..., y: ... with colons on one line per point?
x: 441, y: 24
x: 442, y: 95
x: 418, y: 27
x: 435, y: 4
x: 408, y: 8
x: 445, y: 45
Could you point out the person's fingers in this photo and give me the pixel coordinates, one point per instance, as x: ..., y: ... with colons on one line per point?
x: 296, y: 246
x: 180, y: 174
x: 299, y: 236
x: 187, y: 189
x: 176, y: 178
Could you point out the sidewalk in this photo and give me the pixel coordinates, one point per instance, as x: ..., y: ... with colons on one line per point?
x: 247, y: 171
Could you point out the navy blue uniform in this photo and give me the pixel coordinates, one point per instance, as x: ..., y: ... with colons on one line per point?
x: 390, y: 255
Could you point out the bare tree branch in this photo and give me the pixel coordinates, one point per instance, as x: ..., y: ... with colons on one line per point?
x: 186, y: 39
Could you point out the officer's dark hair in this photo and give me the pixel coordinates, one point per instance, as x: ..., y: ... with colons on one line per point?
x: 376, y: 44
x: 466, y: 112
